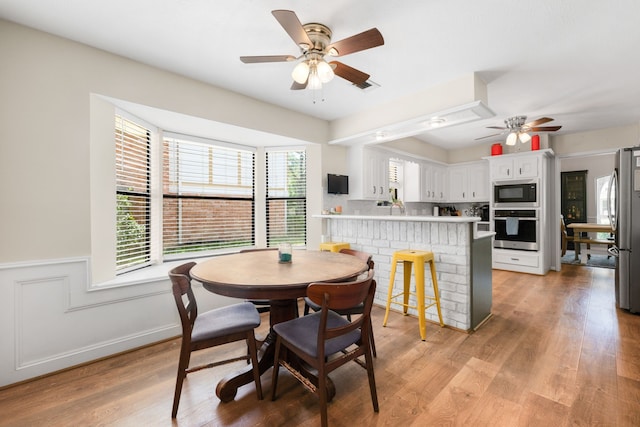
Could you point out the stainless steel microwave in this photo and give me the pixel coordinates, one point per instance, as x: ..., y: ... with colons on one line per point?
x: 516, y: 195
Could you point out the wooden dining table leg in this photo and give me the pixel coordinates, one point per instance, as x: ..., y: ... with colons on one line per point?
x: 280, y: 311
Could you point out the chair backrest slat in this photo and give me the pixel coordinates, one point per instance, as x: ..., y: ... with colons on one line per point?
x: 181, y: 286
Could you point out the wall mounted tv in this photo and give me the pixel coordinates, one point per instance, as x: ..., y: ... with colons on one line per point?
x: 337, y: 184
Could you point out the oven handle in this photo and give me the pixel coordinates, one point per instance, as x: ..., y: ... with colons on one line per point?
x: 504, y: 218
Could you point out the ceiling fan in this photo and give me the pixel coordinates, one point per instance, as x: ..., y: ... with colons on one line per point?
x: 519, y: 130
x: 314, y: 41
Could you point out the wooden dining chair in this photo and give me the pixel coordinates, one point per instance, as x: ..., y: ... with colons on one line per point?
x: 565, y: 238
x: 212, y: 328
x: 263, y: 305
x: 325, y: 340
x: 358, y: 309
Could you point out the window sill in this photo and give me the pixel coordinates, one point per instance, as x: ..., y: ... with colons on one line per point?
x: 151, y: 274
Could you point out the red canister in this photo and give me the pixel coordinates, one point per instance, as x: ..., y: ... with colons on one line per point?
x: 535, y: 142
x: 496, y: 149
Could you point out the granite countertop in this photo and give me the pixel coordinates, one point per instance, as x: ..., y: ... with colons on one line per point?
x: 456, y: 219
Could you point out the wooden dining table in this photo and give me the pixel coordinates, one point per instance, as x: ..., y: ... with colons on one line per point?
x: 589, y: 227
x: 259, y: 275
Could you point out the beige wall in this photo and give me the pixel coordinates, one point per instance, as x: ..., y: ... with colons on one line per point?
x: 596, y: 141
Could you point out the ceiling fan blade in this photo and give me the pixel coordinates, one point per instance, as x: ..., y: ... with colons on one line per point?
x: 496, y: 127
x: 540, y: 121
x: 356, y: 77
x: 267, y: 58
x: 365, y: 40
x: 291, y: 24
x: 544, y: 129
x: 298, y: 86
x: 488, y: 136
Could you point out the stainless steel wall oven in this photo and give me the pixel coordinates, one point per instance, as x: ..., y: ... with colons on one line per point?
x: 517, y: 229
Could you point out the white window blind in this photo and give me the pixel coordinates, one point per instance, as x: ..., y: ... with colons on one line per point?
x: 208, y: 196
x: 286, y: 202
x: 133, y: 193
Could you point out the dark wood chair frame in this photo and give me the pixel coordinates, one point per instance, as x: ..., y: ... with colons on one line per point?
x: 308, y: 304
x: 181, y: 286
x: 332, y: 297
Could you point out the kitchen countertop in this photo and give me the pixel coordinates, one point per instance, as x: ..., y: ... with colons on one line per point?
x: 412, y: 218
x: 456, y: 219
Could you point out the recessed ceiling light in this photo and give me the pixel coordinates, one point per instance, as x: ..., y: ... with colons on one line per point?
x: 380, y: 135
x: 437, y: 122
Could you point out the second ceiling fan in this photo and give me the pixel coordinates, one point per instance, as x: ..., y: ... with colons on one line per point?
x: 314, y: 41
x: 519, y: 130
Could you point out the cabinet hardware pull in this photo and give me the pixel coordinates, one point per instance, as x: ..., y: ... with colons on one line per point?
x: 374, y: 189
x: 515, y: 259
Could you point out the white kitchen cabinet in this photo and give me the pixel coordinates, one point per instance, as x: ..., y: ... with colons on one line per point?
x: 434, y: 180
x: 369, y: 174
x: 457, y: 183
x: 478, y: 179
x: 505, y: 168
x: 412, y: 182
x: 469, y: 182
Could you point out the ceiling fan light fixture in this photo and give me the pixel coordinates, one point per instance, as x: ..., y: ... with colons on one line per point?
x: 301, y: 72
x: 524, y: 137
x: 512, y: 139
x: 314, y: 82
x: 324, y: 71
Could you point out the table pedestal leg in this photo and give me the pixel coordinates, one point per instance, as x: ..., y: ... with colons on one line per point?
x: 280, y: 311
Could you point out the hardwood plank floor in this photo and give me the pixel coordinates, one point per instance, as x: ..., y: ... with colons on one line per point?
x: 556, y: 352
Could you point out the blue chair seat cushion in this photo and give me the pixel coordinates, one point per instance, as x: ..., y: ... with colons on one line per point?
x: 303, y: 333
x: 225, y: 321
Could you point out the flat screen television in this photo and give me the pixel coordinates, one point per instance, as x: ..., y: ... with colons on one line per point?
x: 337, y: 184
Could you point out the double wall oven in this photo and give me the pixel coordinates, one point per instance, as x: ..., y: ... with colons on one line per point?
x: 516, y: 216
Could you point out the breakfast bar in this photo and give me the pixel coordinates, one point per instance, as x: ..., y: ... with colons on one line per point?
x: 462, y: 256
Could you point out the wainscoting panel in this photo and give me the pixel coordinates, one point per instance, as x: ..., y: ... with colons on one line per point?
x: 50, y: 320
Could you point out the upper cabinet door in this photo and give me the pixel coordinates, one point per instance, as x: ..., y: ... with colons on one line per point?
x: 526, y: 167
x: 458, y: 191
x: 478, y: 182
x: 501, y: 168
x: 505, y: 168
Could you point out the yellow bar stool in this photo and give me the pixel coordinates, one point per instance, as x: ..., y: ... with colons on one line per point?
x: 418, y: 260
x: 334, y: 246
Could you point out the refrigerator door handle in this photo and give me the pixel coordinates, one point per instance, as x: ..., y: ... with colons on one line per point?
x: 613, y: 216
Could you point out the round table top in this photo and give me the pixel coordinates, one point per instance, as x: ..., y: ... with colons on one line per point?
x: 259, y: 275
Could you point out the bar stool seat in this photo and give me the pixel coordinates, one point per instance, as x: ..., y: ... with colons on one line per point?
x: 417, y: 259
x: 334, y: 246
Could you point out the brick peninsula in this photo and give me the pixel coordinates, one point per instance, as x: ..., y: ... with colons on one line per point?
x: 462, y: 255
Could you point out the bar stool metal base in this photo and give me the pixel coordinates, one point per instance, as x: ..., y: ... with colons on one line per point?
x: 417, y: 259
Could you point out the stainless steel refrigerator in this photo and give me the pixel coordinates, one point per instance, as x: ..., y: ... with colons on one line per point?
x: 624, y: 215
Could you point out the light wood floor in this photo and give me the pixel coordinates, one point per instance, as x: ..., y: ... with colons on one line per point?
x: 555, y: 353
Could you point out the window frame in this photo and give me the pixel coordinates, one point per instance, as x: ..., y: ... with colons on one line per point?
x: 271, y: 240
